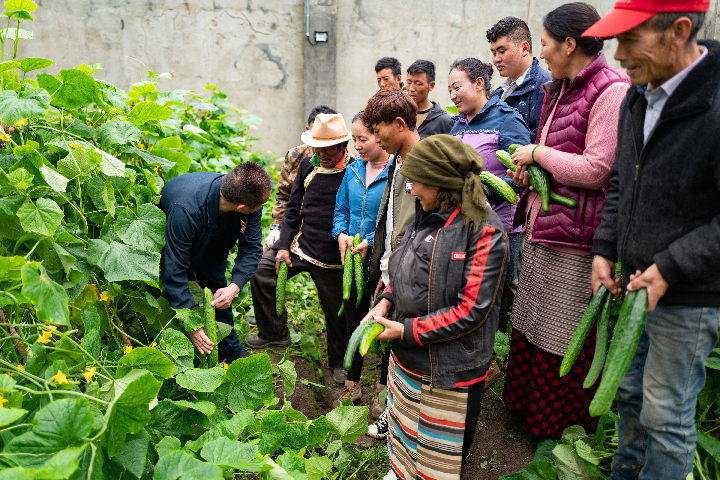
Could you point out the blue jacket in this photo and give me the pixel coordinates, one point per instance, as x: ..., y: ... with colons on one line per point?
x: 528, y: 98
x: 496, y: 127
x: 357, y: 205
x: 191, y: 205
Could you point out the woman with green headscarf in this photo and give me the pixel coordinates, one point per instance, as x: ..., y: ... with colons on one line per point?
x: 440, y: 311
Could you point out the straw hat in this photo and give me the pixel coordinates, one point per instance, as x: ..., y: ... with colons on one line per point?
x: 328, y: 129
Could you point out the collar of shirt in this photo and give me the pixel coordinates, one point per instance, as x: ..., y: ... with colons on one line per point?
x: 519, y: 81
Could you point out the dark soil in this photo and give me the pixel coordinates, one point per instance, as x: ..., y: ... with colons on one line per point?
x: 502, y: 445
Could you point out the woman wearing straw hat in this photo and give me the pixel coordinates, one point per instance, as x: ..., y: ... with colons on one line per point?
x: 306, y: 243
x: 440, y: 311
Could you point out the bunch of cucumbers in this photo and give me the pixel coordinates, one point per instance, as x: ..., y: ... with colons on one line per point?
x: 626, y: 337
x: 353, y: 267
x: 361, y: 339
x: 538, y: 180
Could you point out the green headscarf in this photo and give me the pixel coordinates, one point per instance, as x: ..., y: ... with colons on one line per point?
x: 446, y: 162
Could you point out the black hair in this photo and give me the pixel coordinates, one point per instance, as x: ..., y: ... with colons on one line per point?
x: 513, y: 28
x: 475, y: 69
x: 317, y: 110
x: 664, y: 20
x: 570, y: 21
x: 389, y: 62
x: 423, y: 66
x: 247, y: 184
x: 358, y: 117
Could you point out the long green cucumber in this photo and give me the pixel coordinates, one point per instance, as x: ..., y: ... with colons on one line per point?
x: 347, y: 274
x: 280, y: 289
x: 626, y: 338
x: 369, y: 336
x: 354, y: 342
x: 359, y: 272
x: 540, y: 182
x: 342, y: 309
x: 583, y: 328
x: 513, y: 147
x: 557, y: 198
x: 210, y: 326
x: 601, y: 344
x: 504, y: 158
x: 499, y: 186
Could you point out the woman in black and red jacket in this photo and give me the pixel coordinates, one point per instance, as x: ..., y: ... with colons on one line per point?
x: 441, y: 309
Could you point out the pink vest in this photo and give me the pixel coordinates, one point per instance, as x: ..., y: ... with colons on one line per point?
x: 572, y: 227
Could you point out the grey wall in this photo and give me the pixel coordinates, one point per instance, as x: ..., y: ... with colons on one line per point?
x: 256, y: 51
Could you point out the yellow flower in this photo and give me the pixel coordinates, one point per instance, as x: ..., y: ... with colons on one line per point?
x: 3, y: 401
x: 74, y: 145
x: 225, y: 365
x: 154, y: 344
x: 44, y: 337
x: 141, y: 146
x: 21, y: 122
x: 104, y: 297
x: 21, y: 367
x: 52, y: 326
x: 4, y: 137
x: 128, y: 349
x: 89, y: 374
x: 60, y: 377
x: 69, y: 116
x: 313, y: 291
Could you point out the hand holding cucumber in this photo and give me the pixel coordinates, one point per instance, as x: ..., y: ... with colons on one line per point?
x: 603, y: 275
x: 344, y: 241
x: 653, y: 281
x: 392, y: 330
x: 282, y: 256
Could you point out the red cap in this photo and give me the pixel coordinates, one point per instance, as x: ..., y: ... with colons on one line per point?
x: 628, y: 14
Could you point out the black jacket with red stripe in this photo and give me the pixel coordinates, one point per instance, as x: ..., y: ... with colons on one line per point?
x: 445, y: 281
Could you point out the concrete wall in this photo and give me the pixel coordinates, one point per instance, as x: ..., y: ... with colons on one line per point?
x: 256, y: 50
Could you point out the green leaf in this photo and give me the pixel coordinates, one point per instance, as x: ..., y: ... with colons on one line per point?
x: 167, y: 445
x: 179, y: 465
x: 572, y: 434
x: 111, y: 166
x: 133, y: 455
x: 544, y: 450
x: 351, y: 422
x: 92, y: 68
x: 61, y: 424
x: 146, y: 358
x: 10, y: 268
x: 29, y: 64
x: 56, y: 181
x: 78, y: 90
x: 18, y: 473
x: 253, y: 378
x: 319, y: 429
x: 123, y: 262
x: 79, y: 161
x: 202, y: 406
x: 288, y: 373
x: 49, y: 298
x: 201, y: 379
x: 99, y: 192
x: 146, y: 230
x: 10, y: 415
x: 148, y: 111
x: 26, y: 5
x: 33, y: 103
x: 273, y: 427
x: 230, y: 429
x: 190, y: 318
x: 294, y: 465
x: 116, y: 100
x: 130, y: 411
x: 713, y: 360
x: 21, y: 179
x: 226, y: 453
x: 62, y: 465
x: 118, y: 133
x: 709, y: 443
x: 568, y: 464
x: 223, y: 330
x: 585, y: 452
x: 9, y: 65
x: 48, y: 82
x: 318, y: 468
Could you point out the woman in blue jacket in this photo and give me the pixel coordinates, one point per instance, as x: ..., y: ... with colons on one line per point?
x: 489, y: 125
x: 356, y: 209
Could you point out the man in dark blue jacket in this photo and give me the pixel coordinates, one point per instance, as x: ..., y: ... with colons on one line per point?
x: 511, y: 47
x: 207, y: 214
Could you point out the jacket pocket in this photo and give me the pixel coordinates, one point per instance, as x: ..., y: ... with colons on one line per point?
x: 467, y: 342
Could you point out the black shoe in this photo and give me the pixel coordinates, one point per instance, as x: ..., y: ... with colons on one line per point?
x: 255, y: 341
x: 251, y: 320
x: 232, y: 357
x: 379, y: 429
x: 339, y: 375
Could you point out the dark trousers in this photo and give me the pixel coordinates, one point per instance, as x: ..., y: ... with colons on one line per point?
x: 353, y: 315
x: 475, y: 398
x: 329, y: 287
x: 212, y: 276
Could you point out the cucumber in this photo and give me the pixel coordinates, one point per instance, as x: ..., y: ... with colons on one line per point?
x: 280, y: 289
x: 342, y: 309
x: 568, y: 202
x: 499, y: 186
x: 513, y: 147
x: 504, y: 158
x: 210, y: 327
x: 600, y: 344
x: 583, y: 328
x: 540, y: 182
x: 624, y: 343
x: 368, y: 338
x: 347, y: 274
x: 354, y: 343
x: 359, y: 271
x: 486, y: 190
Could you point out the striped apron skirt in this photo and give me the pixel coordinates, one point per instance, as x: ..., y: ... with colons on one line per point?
x: 426, y: 427
x: 552, y: 295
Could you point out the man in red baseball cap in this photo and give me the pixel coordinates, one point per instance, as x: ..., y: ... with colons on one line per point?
x: 662, y: 218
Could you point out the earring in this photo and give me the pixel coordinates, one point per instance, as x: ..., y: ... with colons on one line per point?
x: 568, y: 54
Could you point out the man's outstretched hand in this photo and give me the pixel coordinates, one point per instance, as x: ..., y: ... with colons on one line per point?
x: 224, y: 296
x: 201, y: 341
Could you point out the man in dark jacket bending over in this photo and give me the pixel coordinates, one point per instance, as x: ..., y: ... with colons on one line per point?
x: 207, y: 214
